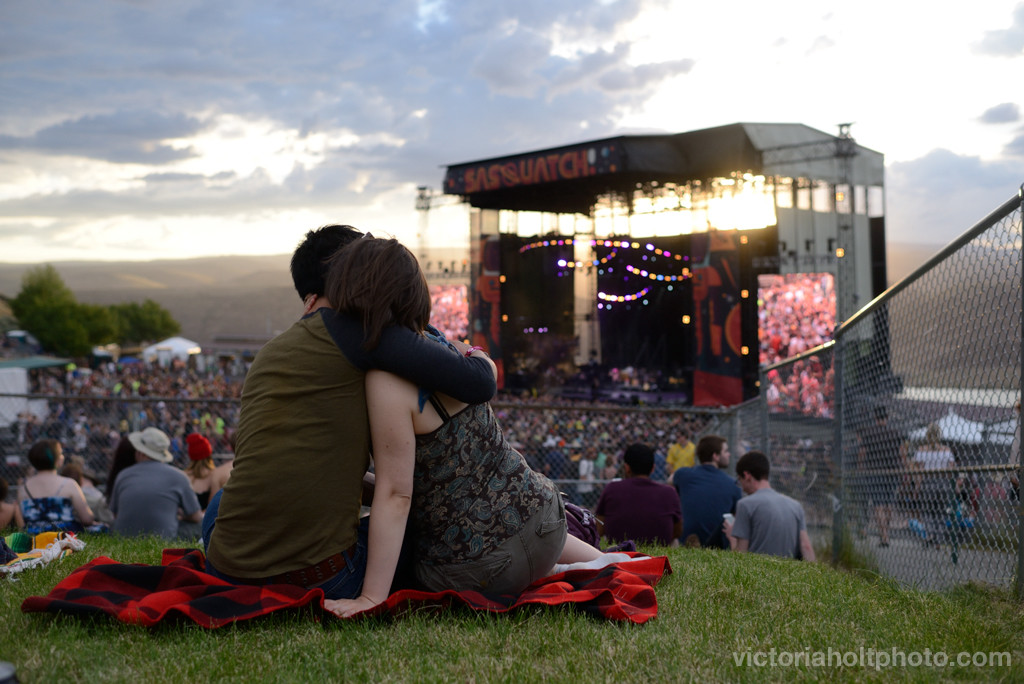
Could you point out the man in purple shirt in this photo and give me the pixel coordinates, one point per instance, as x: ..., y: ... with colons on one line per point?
x: 637, y: 507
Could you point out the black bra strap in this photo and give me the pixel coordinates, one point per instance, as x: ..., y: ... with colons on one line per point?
x: 439, y: 407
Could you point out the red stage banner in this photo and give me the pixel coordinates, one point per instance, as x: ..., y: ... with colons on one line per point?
x: 485, y: 298
x: 717, y: 378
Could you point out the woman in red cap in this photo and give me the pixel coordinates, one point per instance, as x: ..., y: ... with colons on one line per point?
x: 201, y: 468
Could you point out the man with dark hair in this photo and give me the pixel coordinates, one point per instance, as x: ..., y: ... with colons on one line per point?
x: 637, y: 507
x: 706, y: 493
x: 290, y: 511
x: 767, y: 522
x: 308, y: 264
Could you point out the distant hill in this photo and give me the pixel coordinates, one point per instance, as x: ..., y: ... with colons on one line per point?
x: 211, y: 297
x: 253, y: 296
x: 226, y: 271
x: 902, y: 259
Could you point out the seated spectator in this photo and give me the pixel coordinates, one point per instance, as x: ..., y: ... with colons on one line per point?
x: 50, y: 502
x: 222, y: 473
x: 93, y: 496
x: 10, y: 514
x: 767, y: 522
x: 706, y: 493
x: 124, y: 457
x: 637, y: 507
x: 482, y: 519
x: 681, y: 453
x: 200, y: 471
x: 148, y: 496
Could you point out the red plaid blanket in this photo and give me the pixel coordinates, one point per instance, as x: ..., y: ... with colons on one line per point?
x: 148, y: 594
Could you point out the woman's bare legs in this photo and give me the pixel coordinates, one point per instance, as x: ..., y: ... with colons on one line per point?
x: 577, y: 551
x: 579, y: 555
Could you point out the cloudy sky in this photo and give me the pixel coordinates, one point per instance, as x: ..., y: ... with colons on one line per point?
x: 142, y: 130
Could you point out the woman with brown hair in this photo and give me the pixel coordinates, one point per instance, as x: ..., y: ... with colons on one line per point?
x: 124, y: 457
x: 482, y: 519
x: 50, y: 502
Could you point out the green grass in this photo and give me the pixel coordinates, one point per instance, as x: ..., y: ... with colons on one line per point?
x: 713, y: 606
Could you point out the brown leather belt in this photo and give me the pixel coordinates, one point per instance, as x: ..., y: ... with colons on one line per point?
x: 315, y: 574
x: 304, y: 577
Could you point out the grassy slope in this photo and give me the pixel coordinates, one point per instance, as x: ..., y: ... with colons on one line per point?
x: 714, y: 604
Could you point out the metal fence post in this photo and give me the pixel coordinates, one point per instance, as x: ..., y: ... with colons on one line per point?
x: 837, y: 449
x: 1020, y: 432
x: 763, y: 412
x: 734, y: 435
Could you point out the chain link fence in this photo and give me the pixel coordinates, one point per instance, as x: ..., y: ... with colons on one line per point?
x: 90, y: 427
x: 931, y: 373
x: 904, y: 433
x: 797, y: 408
x: 555, y: 439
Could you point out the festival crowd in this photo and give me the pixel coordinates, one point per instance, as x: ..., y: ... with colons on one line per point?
x: 796, y: 312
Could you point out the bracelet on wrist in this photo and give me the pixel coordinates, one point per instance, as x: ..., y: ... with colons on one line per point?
x: 469, y: 352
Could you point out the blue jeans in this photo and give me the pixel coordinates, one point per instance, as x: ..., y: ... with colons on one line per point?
x: 347, y: 583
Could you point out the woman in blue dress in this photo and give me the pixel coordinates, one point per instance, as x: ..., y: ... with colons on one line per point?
x: 50, y: 502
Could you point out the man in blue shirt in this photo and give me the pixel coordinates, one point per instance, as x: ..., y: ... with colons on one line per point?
x: 706, y: 493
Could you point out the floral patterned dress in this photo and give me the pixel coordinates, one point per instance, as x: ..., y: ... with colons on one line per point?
x: 471, y: 489
x: 48, y: 514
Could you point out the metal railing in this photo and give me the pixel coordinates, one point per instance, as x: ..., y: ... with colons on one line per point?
x: 910, y: 413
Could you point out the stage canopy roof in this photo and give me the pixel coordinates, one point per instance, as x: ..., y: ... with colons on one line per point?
x: 570, y: 179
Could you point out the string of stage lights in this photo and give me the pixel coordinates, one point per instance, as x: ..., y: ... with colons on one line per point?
x: 615, y: 246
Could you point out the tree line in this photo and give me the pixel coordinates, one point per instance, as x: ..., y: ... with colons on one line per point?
x: 48, y: 309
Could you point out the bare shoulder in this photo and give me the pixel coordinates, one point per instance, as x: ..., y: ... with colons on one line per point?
x: 222, y: 472
x: 381, y: 385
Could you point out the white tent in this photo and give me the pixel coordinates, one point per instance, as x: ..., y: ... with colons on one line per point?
x: 1002, y: 432
x: 173, y: 348
x: 12, y: 381
x: 955, y: 428
x: 15, y: 381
